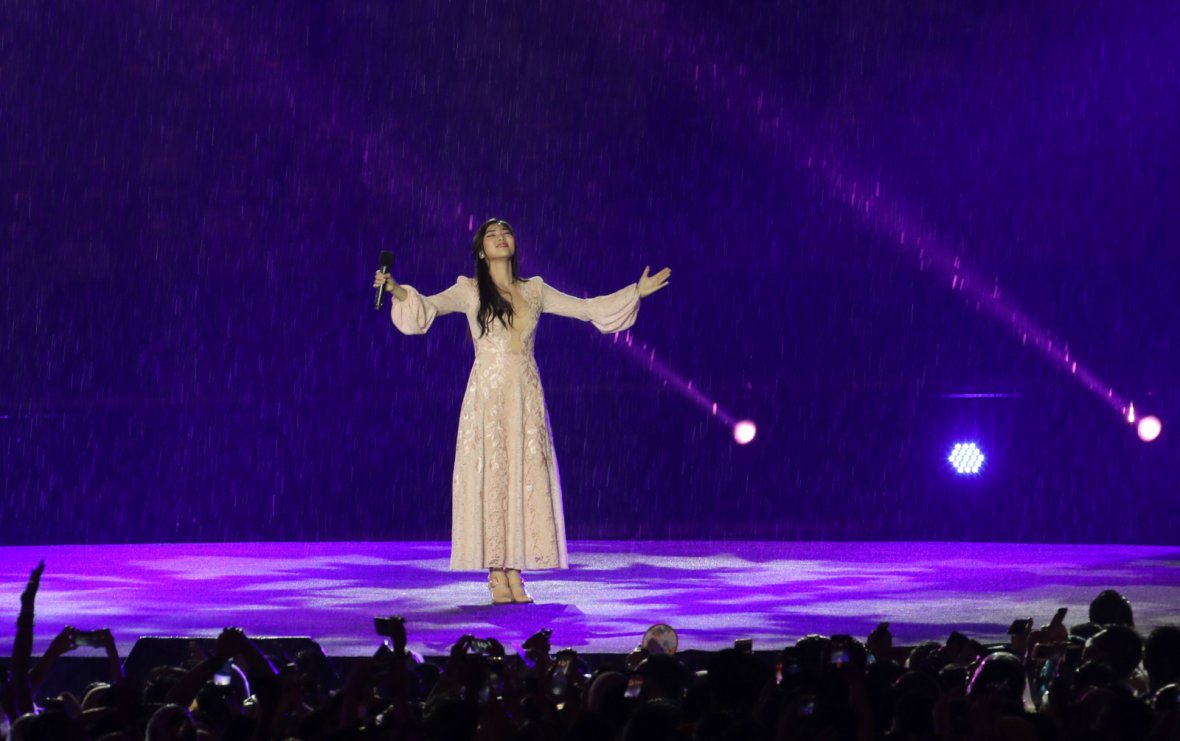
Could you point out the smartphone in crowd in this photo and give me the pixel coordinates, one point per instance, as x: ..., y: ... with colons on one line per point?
x: 634, y: 687
x: 385, y: 625
x: 788, y: 663
x: 1057, y: 651
x: 564, y: 660
x: 480, y: 646
x: 493, y: 688
x: 92, y: 638
x: 559, y: 682
x: 840, y: 648
x: 745, y: 645
x: 559, y: 672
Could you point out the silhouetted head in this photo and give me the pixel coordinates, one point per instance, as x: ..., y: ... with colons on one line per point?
x: 448, y: 717
x: 813, y: 652
x: 1117, y: 646
x: 1085, y: 630
x: 926, y: 656
x: 1092, y: 674
x: 1167, y: 699
x: 999, y: 675
x: 1108, y: 713
x: 663, y: 676
x: 48, y: 726
x: 735, y: 678
x: 916, y: 694
x: 171, y: 723
x: 1111, y: 608
x: 1161, y: 656
x: 653, y: 721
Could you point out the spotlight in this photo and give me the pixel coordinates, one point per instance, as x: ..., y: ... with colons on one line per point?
x: 1149, y: 428
x: 744, y: 432
x: 966, y: 459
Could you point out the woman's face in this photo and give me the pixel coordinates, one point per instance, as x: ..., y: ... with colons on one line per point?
x: 498, y: 243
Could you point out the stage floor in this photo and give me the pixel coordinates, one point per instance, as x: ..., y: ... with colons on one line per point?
x: 711, y: 592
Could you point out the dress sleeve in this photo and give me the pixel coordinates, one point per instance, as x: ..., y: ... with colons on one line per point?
x: 611, y: 313
x: 416, y: 312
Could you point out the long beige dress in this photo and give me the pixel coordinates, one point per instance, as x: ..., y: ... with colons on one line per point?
x: 506, y: 491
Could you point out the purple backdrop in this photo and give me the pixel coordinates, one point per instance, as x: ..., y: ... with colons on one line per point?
x: 194, y: 195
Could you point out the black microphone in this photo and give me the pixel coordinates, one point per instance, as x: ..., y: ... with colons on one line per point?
x: 386, y: 264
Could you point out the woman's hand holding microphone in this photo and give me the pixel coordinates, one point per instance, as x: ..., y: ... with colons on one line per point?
x: 384, y: 280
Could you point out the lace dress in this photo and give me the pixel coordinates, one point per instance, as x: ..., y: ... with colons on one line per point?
x: 506, y: 492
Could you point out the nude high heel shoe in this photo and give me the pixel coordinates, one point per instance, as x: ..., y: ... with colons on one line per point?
x: 498, y: 586
x: 516, y: 584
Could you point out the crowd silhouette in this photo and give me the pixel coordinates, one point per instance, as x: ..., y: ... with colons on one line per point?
x: 1098, y: 679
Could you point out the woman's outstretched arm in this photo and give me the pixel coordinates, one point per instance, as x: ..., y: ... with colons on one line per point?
x: 614, y: 312
x: 413, y: 313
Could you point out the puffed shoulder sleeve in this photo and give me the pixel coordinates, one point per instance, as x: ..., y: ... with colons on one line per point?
x: 613, y: 312
x: 416, y: 312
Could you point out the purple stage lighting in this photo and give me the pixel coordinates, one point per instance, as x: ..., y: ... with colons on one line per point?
x: 757, y: 112
x: 1149, y: 429
x: 744, y: 432
x: 966, y: 459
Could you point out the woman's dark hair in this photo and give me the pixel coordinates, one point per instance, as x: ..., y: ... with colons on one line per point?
x: 491, y: 304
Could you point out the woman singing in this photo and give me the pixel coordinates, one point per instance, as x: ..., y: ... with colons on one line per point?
x: 507, y: 512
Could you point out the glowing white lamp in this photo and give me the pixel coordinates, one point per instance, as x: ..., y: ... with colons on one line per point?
x: 966, y: 459
x: 1149, y: 429
x: 744, y: 432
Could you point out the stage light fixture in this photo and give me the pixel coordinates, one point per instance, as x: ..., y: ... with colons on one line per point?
x: 744, y: 432
x: 1149, y: 429
x: 966, y: 459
